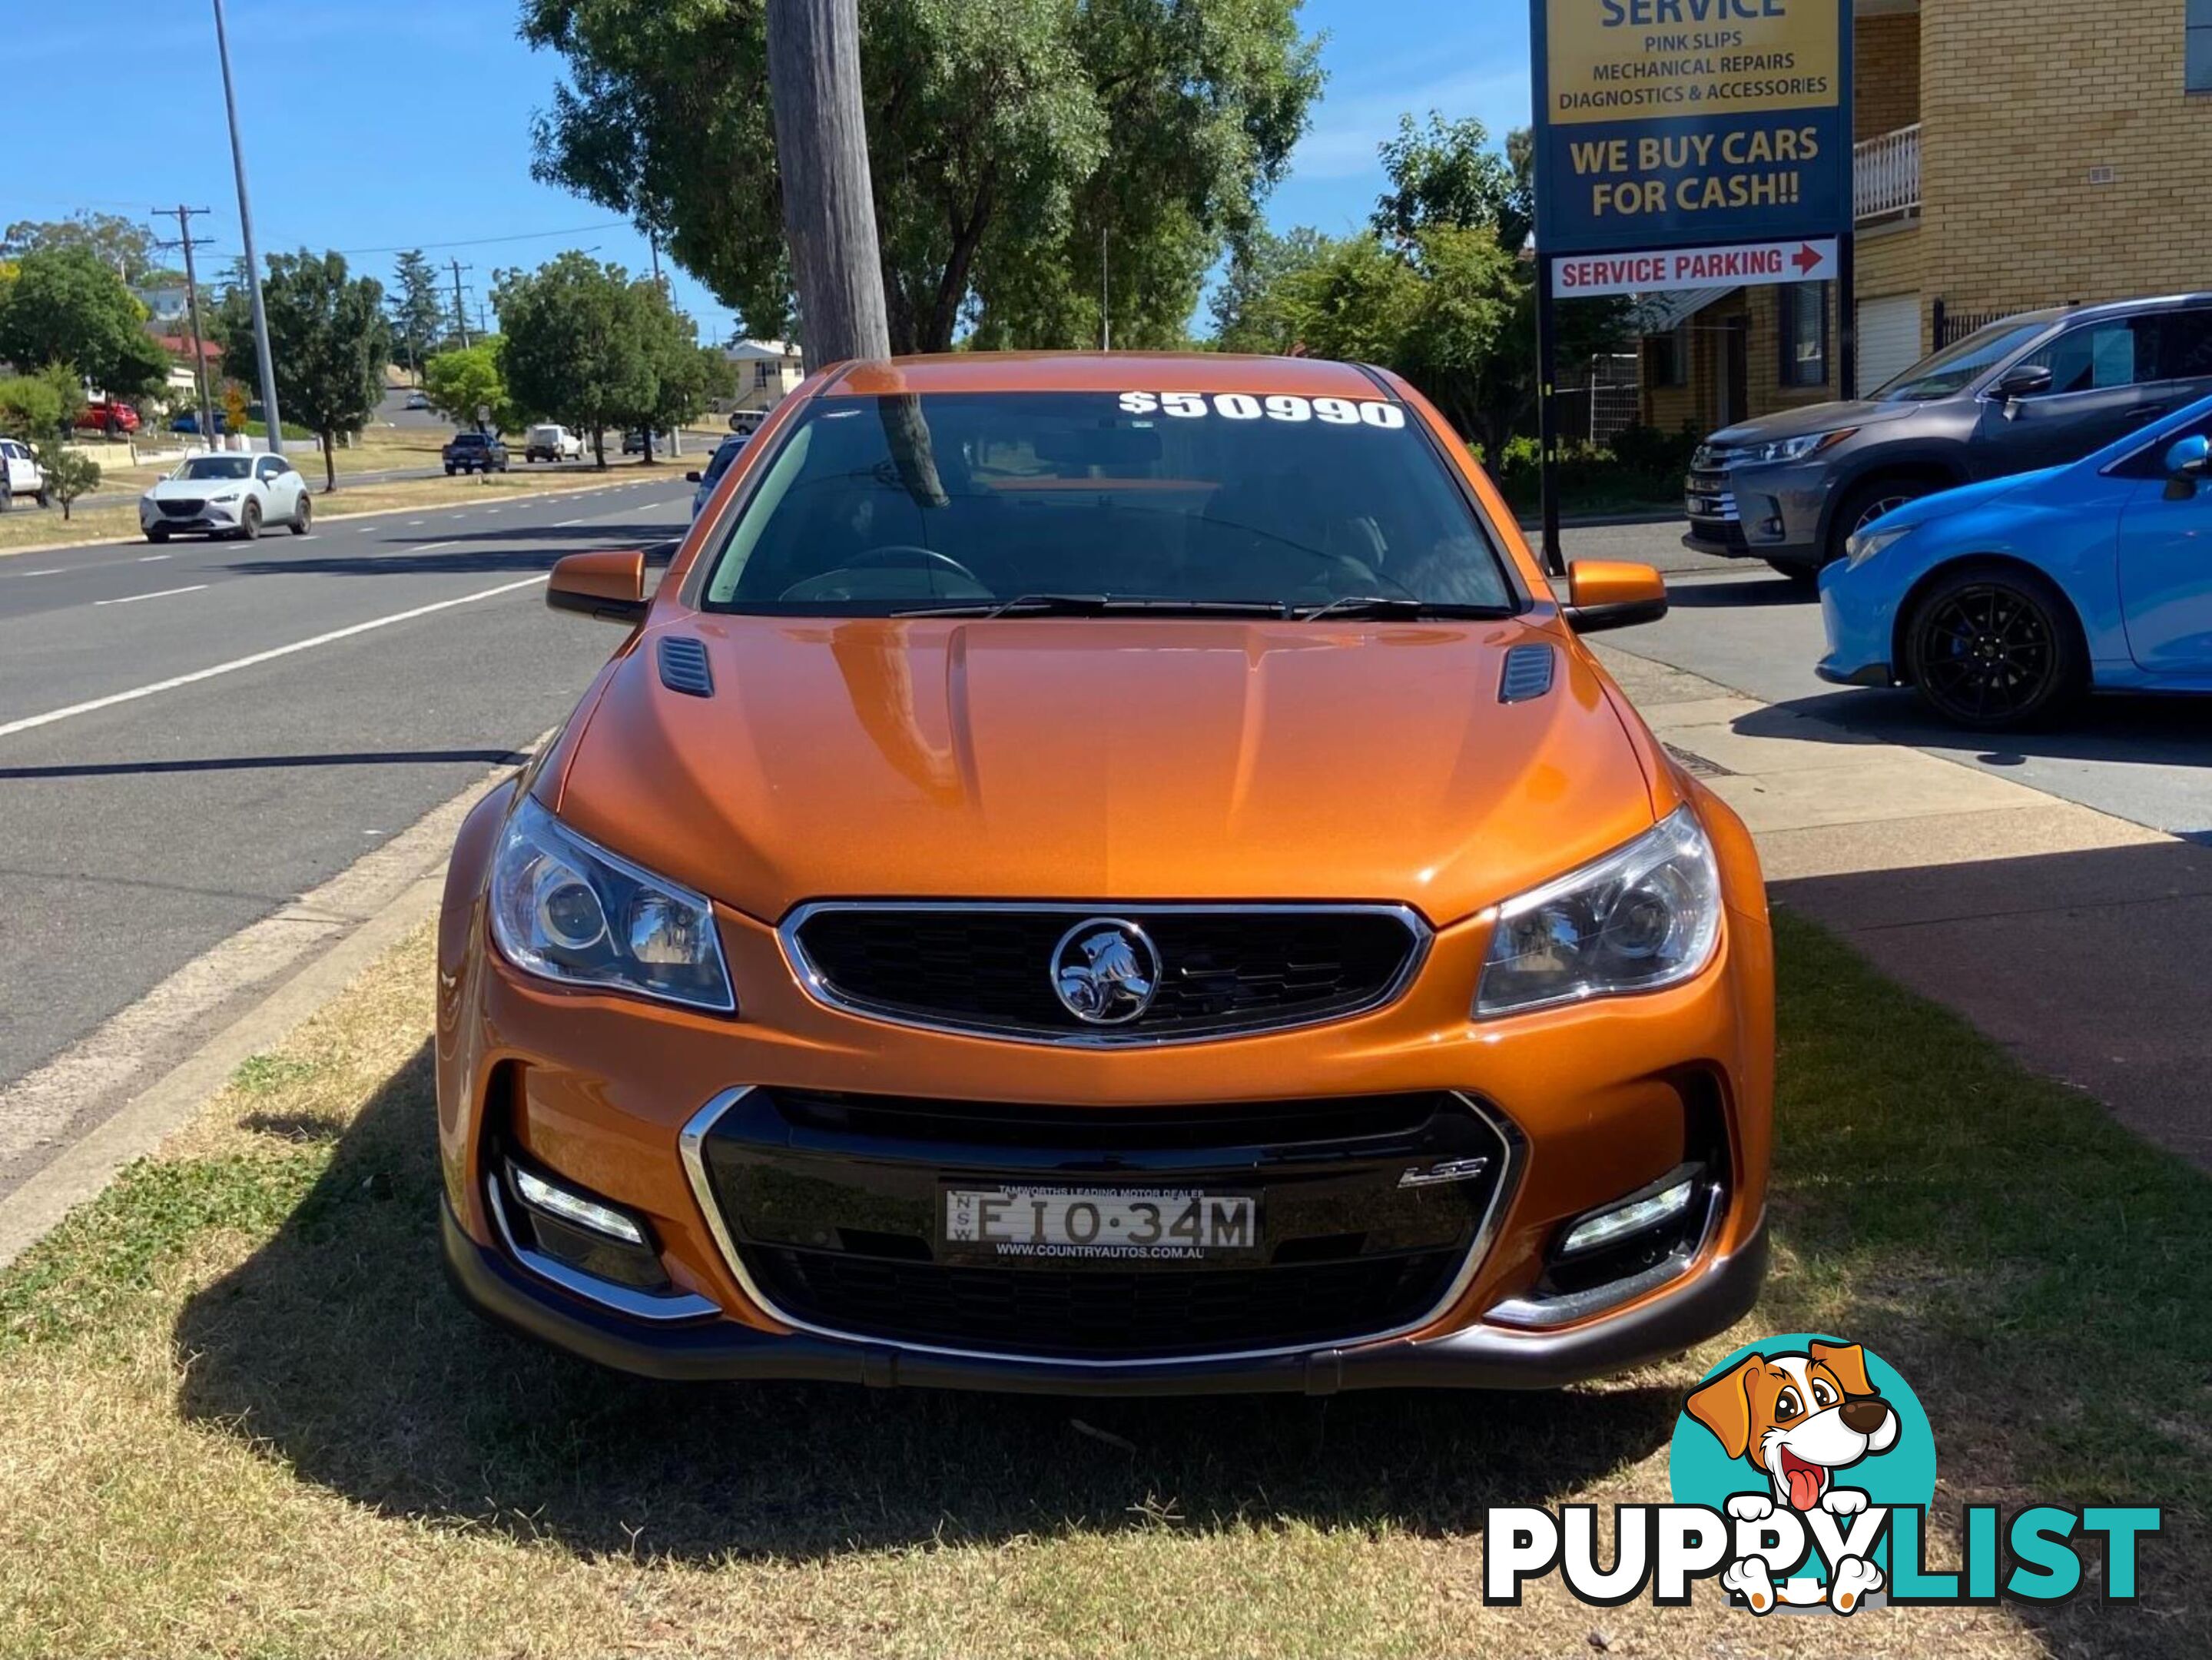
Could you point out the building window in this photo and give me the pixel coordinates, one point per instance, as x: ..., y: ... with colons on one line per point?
x: 1803, y: 308
x: 760, y: 373
x: 1669, y: 357
x: 2197, y: 76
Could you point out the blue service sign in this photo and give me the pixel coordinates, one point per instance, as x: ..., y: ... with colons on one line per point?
x: 1673, y: 123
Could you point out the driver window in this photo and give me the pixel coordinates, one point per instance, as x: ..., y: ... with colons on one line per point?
x: 763, y: 507
x: 2094, y: 359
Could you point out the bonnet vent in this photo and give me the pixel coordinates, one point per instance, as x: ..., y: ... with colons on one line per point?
x: 1527, y: 674
x: 683, y: 665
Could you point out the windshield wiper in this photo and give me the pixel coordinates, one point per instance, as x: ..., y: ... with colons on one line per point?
x: 1100, y: 605
x: 1365, y: 607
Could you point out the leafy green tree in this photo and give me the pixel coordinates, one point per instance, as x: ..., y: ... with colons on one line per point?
x: 686, y: 376
x: 1247, y: 314
x: 417, y: 309
x: 578, y: 345
x: 69, y: 473
x: 461, y: 381
x: 65, y: 307
x: 33, y: 407
x: 1446, y: 173
x: 330, y: 341
x: 1010, y: 141
x: 125, y: 246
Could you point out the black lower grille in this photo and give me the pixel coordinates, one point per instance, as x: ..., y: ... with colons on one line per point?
x: 1092, y: 1315
x: 177, y: 507
x: 834, y: 1204
x: 990, y: 969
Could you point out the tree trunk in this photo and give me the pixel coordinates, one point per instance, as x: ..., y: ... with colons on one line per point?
x: 821, y: 152
x: 330, y: 463
x: 600, y: 447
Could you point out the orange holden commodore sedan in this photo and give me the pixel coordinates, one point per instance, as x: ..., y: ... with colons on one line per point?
x: 1106, y: 874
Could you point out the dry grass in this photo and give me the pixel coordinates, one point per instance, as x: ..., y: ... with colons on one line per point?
x: 241, y: 1415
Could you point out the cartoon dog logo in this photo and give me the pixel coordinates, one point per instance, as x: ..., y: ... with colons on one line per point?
x: 1798, y: 1417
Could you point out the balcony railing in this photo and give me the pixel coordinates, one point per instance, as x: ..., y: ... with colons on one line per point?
x: 1886, y: 171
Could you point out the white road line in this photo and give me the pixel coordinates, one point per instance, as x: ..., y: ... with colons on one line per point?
x: 154, y: 558
x: 161, y: 593
x: 10, y: 728
x: 55, y: 570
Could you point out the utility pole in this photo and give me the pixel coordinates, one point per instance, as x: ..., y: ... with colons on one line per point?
x: 1105, y: 293
x: 460, y: 307
x: 267, y: 363
x: 822, y: 151
x: 187, y: 241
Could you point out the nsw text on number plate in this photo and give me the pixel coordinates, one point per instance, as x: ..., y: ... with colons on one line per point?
x: 1101, y: 1225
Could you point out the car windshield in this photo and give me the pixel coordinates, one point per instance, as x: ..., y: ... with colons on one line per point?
x: 215, y: 466
x: 874, y: 507
x: 1958, y: 366
x: 725, y: 453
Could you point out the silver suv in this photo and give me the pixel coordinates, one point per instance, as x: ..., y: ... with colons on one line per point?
x: 2038, y: 390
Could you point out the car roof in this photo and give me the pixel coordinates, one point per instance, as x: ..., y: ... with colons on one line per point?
x: 1098, y: 371
x: 2109, y: 308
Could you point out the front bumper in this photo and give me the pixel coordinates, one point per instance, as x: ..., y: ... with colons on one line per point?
x: 1771, y: 513
x: 219, y: 520
x: 1859, y: 619
x: 1711, y: 1299
x: 1595, y: 1099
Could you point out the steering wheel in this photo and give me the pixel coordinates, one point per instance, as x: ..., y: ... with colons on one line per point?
x: 933, y: 575
x: 908, y: 555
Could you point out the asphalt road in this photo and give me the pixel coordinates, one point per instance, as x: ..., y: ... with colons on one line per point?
x: 2145, y: 759
x: 143, y: 822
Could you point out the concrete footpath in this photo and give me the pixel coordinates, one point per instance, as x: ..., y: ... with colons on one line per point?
x: 2072, y: 937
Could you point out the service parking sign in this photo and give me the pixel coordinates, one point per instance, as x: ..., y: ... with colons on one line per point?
x: 1666, y: 123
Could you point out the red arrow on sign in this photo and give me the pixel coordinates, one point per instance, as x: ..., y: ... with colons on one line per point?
x: 1807, y: 258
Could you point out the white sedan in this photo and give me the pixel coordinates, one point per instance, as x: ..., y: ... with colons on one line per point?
x: 227, y: 496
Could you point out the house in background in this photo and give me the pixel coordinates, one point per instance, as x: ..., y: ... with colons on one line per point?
x: 2011, y: 154
x: 766, y: 370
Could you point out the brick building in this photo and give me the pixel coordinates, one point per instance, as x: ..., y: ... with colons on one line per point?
x: 2011, y: 154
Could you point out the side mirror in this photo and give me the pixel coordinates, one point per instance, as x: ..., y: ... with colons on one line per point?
x: 1604, y: 594
x: 2188, y: 461
x: 2023, y: 380
x: 692, y: 478
x: 610, y: 587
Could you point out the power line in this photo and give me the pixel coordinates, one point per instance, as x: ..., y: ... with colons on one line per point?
x: 487, y: 241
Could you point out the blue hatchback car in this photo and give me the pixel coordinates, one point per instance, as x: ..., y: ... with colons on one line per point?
x: 2002, y: 602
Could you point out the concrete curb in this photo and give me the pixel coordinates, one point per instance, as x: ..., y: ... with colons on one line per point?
x: 322, y: 518
x: 312, y: 950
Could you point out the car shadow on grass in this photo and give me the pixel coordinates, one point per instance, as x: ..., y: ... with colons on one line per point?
x: 338, y: 1347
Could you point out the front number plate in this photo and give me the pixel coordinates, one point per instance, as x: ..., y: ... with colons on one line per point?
x: 1094, y: 1224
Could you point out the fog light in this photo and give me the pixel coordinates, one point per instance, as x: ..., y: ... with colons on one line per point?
x: 537, y: 1191
x: 1605, y: 1226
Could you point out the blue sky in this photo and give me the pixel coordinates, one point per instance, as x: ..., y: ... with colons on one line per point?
x: 371, y: 124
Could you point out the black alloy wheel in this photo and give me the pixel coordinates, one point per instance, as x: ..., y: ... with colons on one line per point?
x: 1994, y: 651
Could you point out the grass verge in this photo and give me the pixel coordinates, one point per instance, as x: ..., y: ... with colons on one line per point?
x: 240, y: 1413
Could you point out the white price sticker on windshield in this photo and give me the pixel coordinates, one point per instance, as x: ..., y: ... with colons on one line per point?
x: 1276, y: 406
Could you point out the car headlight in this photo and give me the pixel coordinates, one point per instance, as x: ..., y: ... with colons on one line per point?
x: 1871, y: 541
x: 565, y: 908
x: 1644, y: 916
x: 228, y: 495
x: 1791, y: 449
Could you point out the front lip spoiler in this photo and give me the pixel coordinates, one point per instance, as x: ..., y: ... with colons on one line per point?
x: 1479, y: 1357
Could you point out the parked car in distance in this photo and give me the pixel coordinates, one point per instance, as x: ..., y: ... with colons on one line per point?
x: 22, y: 478
x: 2039, y: 390
x: 552, y: 443
x: 633, y: 442
x: 190, y: 422
x: 475, y: 452
x: 711, y: 475
x: 112, y: 418
x: 418, y: 400
x: 227, y: 496
x: 1107, y: 875
x: 2003, y: 602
